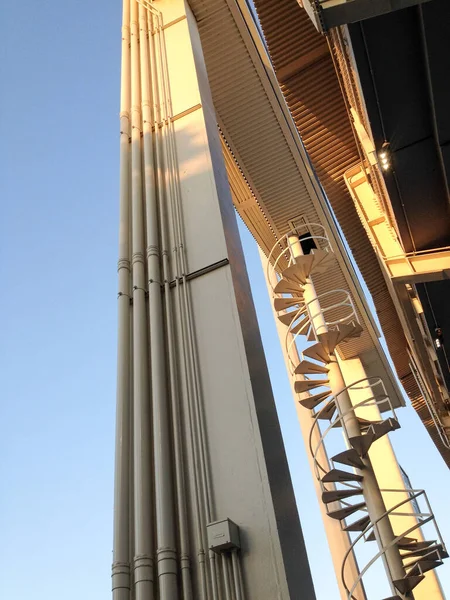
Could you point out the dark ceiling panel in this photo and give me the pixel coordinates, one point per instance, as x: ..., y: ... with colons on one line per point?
x: 420, y: 185
x: 436, y: 16
x: 396, y: 60
x: 434, y: 298
x: 391, y: 59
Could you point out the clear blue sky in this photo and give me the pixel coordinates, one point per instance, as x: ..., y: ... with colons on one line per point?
x: 58, y: 244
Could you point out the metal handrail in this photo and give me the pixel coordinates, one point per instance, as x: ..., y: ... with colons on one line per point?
x: 372, y: 401
x: 373, y: 525
x: 385, y: 399
x: 340, y: 419
x: 347, y: 302
x: 284, y: 238
x: 425, y: 517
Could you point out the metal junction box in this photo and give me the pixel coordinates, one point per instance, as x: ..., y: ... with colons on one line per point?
x: 223, y: 535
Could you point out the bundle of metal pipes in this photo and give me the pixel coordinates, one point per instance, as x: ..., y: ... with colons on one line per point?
x: 156, y: 350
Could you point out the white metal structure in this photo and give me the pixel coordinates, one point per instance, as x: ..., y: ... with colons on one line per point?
x: 322, y: 390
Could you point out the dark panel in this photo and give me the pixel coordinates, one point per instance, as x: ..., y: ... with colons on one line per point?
x: 359, y: 10
x: 389, y: 52
x: 367, y: 83
x: 434, y: 298
x: 395, y: 53
x: 436, y: 16
x: 421, y: 187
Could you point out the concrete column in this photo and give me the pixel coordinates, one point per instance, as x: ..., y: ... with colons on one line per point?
x: 338, y: 540
x: 236, y: 466
x: 388, y: 474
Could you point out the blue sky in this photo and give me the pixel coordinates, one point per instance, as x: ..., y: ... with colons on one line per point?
x: 58, y: 243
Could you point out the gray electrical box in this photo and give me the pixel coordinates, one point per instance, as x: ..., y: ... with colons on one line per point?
x: 223, y: 535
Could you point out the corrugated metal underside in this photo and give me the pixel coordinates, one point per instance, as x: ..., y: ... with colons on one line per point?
x: 307, y: 78
x: 267, y: 186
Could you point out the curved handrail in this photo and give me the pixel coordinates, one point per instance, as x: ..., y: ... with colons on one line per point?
x: 413, y: 494
x: 346, y: 302
x: 340, y: 419
x: 279, y: 244
x: 362, y: 384
x: 372, y: 401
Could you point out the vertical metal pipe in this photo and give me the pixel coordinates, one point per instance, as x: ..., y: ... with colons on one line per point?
x: 226, y: 577
x: 121, y: 546
x: 236, y: 579
x: 214, y: 582
x: 166, y: 143
x: 143, y: 561
x: 164, y: 505
x: 148, y: 149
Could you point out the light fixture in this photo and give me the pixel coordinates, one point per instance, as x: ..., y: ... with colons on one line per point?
x: 384, y: 156
x: 439, y: 339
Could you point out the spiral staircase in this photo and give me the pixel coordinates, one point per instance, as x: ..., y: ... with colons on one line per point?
x: 342, y: 479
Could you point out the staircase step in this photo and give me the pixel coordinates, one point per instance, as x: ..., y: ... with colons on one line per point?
x: 298, y: 272
x: 385, y: 427
x: 301, y: 327
x: 432, y: 555
x: 407, y: 584
x: 365, y: 423
x: 287, y: 287
x: 340, y: 475
x: 406, y: 543
x: 317, y: 352
x: 309, y: 384
x: 361, y: 443
x: 349, y: 331
x: 346, y: 511
x: 410, y: 553
x: 306, y: 368
x: 342, y: 332
x: 285, y: 303
x: 329, y: 340
x: 290, y: 317
x: 422, y: 566
x: 349, y: 457
x: 335, y: 495
x: 315, y: 400
x: 375, y: 431
x: 327, y: 412
x: 311, y: 335
x: 322, y: 260
x: 359, y: 525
